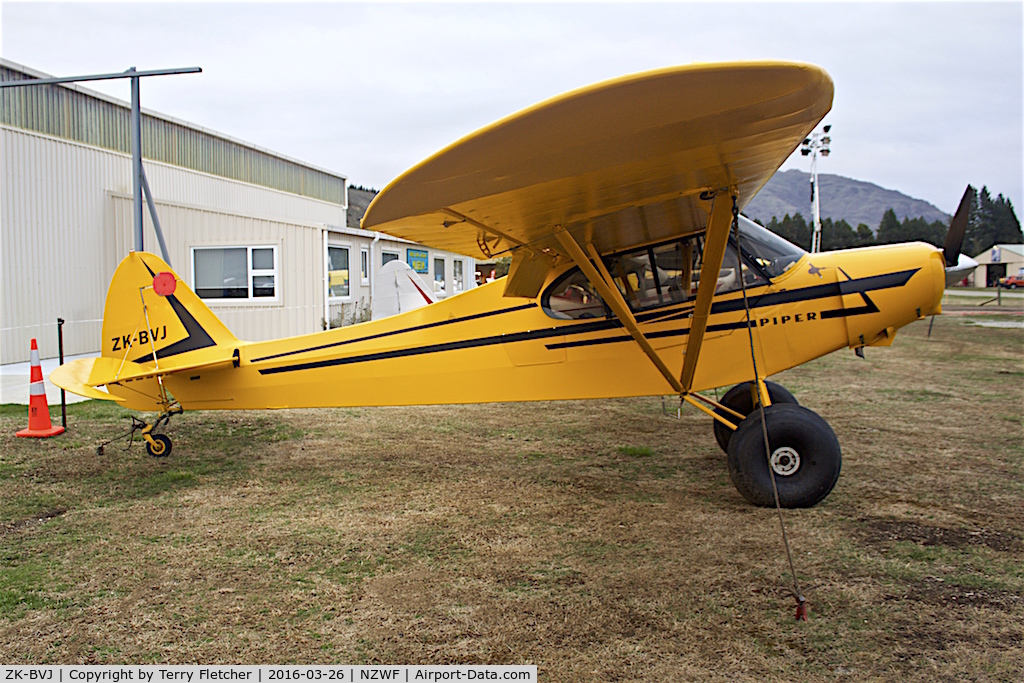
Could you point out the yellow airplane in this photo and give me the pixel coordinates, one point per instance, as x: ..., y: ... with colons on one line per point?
x: 613, y: 201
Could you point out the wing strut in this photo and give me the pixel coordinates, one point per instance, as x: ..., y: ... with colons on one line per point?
x: 715, y: 241
x: 606, y: 288
x: 716, y: 237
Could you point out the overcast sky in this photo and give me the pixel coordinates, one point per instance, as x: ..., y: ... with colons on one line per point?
x: 928, y: 95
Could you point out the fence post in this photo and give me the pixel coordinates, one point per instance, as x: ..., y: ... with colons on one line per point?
x: 60, y: 352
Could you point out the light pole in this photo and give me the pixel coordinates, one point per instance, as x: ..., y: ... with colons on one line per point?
x: 817, y: 143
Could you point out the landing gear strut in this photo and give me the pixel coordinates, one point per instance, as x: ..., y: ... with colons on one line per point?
x: 741, y: 399
x: 157, y: 445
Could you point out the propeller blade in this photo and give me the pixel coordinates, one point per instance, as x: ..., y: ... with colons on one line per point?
x: 957, y: 228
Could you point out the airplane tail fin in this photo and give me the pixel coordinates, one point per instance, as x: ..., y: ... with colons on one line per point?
x: 151, y: 314
x: 153, y: 325
x: 398, y: 290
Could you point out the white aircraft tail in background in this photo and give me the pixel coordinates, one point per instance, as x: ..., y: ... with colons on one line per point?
x: 398, y: 290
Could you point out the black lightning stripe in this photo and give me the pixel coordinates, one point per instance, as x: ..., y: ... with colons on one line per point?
x: 198, y: 338
x: 417, y: 328
x: 860, y: 286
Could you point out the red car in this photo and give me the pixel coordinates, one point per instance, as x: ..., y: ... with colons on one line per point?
x: 1012, y: 282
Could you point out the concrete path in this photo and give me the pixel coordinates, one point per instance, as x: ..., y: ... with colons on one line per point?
x: 14, y: 381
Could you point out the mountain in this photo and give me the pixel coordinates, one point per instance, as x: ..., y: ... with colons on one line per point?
x: 856, y: 201
x: 358, y: 199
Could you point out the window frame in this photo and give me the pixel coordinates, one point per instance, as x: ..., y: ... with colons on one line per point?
x: 364, y: 265
x: 327, y: 271
x: 251, y: 273
x: 743, y: 259
x: 457, y: 286
x: 443, y: 282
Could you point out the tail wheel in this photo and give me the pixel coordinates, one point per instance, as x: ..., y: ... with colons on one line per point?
x: 805, y: 457
x: 162, y: 447
x: 739, y: 399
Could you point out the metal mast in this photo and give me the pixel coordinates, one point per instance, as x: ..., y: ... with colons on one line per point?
x: 139, y: 183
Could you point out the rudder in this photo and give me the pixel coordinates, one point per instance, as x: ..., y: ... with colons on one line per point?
x: 140, y: 323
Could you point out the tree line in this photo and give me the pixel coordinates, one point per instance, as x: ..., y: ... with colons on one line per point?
x: 990, y: 222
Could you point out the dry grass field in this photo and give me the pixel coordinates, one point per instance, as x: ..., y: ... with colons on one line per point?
x: 598, y: 540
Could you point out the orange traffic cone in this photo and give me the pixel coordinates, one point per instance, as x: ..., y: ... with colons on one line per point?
x: 38, y: 412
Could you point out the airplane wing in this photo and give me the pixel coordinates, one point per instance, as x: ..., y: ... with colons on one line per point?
x: 617, y: 164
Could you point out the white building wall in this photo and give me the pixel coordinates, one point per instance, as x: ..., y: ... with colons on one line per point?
x: 361, y: 294
x: 60, y: 240
x: 298, y: 307
x: 66, y: 222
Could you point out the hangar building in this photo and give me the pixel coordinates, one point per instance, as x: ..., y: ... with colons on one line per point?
x: 998, y: 262
x: 260, y: 236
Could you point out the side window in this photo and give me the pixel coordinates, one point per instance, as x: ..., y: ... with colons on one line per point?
x: 572, y: 297
x: 647, y: 278
x: 386, y: 256
x: 458, y: 283
x: 235, y: 272
x: 337, y: 272
x: 728, y: 278
x: 439, y: 276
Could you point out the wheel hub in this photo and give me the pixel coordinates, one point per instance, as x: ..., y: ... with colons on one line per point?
x: 785, y: 461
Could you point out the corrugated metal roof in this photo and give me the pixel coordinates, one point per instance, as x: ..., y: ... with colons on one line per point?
x: 75, y: 113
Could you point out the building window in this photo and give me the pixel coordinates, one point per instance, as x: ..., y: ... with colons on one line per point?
x: 235, y: 272
x: 337, y: 272
x: 386, y: 256
x: 459, y: 282
x: 364, y: 265
x: 439, y: 275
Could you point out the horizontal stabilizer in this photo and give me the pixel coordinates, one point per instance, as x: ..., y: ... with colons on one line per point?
x: 82, y: 376
x: 77, y: 376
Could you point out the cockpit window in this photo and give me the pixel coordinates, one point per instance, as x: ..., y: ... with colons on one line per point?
x: 648, y: 278
x: 771, y: 253
x: 573, y: 297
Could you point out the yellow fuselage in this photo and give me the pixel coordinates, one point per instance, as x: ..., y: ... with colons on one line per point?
x: 480, y: 347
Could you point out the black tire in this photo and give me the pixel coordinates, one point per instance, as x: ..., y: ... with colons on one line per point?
x: 1013, y: 286
x: 739, y: 399
x: 163, y: 447
x: 805, y: 450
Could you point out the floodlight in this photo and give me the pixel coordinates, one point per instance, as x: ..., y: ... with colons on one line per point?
x: 824, y: 152
x: 826, y: 140
x: 826, y: 128
x: 804, y: 151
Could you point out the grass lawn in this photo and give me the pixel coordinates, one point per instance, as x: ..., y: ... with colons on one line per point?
x: 599, y: 540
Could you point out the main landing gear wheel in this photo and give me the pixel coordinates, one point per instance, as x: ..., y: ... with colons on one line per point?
x: 739, y: 399
x: 805, y: 457
x: 162, y: 446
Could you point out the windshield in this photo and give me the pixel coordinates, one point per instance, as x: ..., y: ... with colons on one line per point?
x: 772, y: 253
